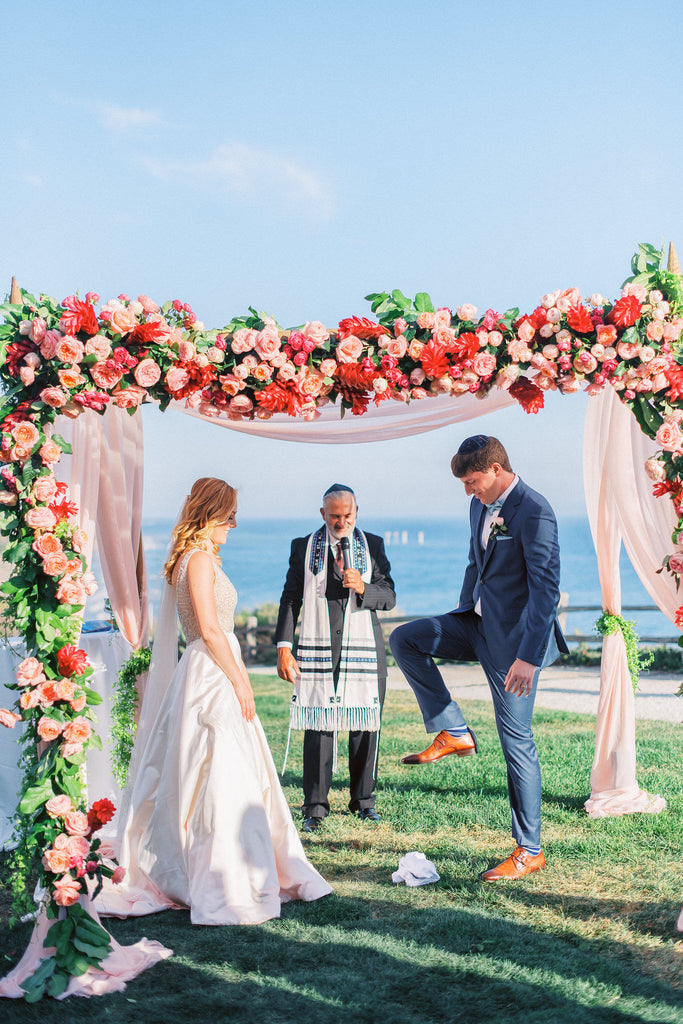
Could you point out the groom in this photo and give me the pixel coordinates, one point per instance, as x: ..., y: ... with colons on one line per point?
x: 506, y: 620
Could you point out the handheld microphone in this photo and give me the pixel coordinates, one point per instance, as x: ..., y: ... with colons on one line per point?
x: 346, y: 552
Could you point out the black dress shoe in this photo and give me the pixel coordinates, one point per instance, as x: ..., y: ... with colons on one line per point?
x: 368, y: 814
x: 311, y: 824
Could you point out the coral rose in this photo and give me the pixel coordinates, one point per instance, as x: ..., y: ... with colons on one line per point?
x: 78, y: 730
x: 54, y: 397
x: 45, y: 488
x: 106, y: 374
x: 8, y: 718
x: 130, y: 397
x: 25, y: 434
x: 123, y: 320
x: 58, y: 806
x: 316, y: 331
x: 426, y: 320
x: 484, y: 363
x: 69, y: 350
x: 55, y: 564
x: 48, y: 729
x: 57, y: 861
x: 50, y: 452
x: 76, y: 823
x: 29, y: 672
x: 311, y: 383
x: 70, y: 592
x: 98, y: 346
x: 41, y: 519
x: 67, y: 891
x: 71, y: 378
x: 176, y: 378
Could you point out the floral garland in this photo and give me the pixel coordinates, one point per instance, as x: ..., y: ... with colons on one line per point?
x: 123, y: 711
x: 637, y: 662
x: 62, y: 358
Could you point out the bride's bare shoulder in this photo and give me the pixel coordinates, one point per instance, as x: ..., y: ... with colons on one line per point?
x: 199, y: 565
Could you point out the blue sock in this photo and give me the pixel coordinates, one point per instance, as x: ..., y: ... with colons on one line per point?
x: 458, y: 730
x: 533, y: 851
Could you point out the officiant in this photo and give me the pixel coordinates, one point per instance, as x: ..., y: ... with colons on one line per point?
x: 338, y: 578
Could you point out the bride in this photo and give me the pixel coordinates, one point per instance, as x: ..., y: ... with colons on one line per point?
x: 204, y: 822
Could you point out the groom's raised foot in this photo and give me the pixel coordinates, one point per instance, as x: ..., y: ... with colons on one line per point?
x: 441, y: 746
x: 518, y: 864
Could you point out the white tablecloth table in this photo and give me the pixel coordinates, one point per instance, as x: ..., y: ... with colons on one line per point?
x: 107, y: 651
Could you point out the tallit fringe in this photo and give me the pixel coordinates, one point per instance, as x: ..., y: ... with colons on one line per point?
x: 335, y: 719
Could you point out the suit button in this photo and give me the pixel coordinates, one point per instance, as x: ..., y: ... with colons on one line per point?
x: 339, y: 632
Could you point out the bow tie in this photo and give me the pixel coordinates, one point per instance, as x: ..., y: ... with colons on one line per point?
x: 495, y: 507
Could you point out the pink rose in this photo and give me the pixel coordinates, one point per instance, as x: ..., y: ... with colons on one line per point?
x: 54, y: 397
x: 268, y: 342
x: 50, y: 452
x: 41, y: 519
x: 58, y: 806
x: 465, y: 312
x: 287, y: 371
x: 69, y: 350
x: 27, y: 375
x: 186, y: 350
x: 176, y: 378
x: 8, y: 718
x: 638, y: 290
x: 415, y: 350
x: 310, y: 383
x: 76, y: 823
x: 243, y: 340
x: 417, y: 375
x: 418, y: 393
x: 70, y: 592
x: 130, y: 397
x: 519, y: 351
x: 553, y: 315
x: 215, y: 354
x: 316, y: 331
x: 569, y: 385
x: 56, y: 861
x: 106, y: 375
x: 29, y: 699
x: 626, y: 350
x: 79, y: 541
x: 67, y: 891
x: 676, y: 562
x: 39, y: 329
x: 349, y: 350
x: 397, y: 347
x: 669, y: 437
x: 484, y: 363
x: 507, y: 376
x: 98, y: 346
x: 29, y: 672
x: 655, y: 330
x: 426, y: 321
x: 495, y: 338
x: 118, y: 874
x: 77, y: 847
x: 78, y: 702
x: 443, y: 316
x: 147, y: 373
x: 584, y: 362
x: 148, y: 305
x: 655, y: 470
x: 48, y: 729
x: 327, y: 367
x: 48, y: 345
x: 123, y: 320
x: 525, y: 332
x: 672, y: 331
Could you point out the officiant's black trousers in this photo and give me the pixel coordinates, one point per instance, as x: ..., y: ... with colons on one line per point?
x: 318, y: 757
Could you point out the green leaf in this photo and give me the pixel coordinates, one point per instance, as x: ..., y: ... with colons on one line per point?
x: 400, y: 299
x: 35, y: 796
x: 93, y: 696
x: 96, y: 952
x: 58, y: 984
x: 423, y: 303
x: 649, y: 420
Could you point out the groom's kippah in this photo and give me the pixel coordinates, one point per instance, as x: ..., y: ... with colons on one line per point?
x: 473, y: 444
x: 338, y: 487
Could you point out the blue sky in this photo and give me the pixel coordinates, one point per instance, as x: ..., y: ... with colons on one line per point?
x: 296, y: 156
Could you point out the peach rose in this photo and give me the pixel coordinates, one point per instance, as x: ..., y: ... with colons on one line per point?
x: 41, y: 519
x: 8, y: 718
x: 123, y: 320
x: 426, y: 321
x: 29, y: 699
x: 525, y: 332
x: 50, y: 452
x: 65, y: 689
x: 397, y: 347
x: 311, y: 383
x: 148, y: 305
x: 315, y: 331
x: 27, y: 375
x: 48, y: 729
x: 106, y: 375
x: 70, y: 592
x: 98, y: 346
x: 569, y: 385
x: 287, y: 371
x: 444, y: 335
x: 70, y: 378
x: 186, y: 350
x: 176, y: 378
x: 55, y: 564
x: 584, y: 362
x: 47, y: 544
x: 147, y: 373
x: 130, y: 397
x: 45, y: 488
x: 29, y: 672
x: 48, y: 345
x: 69, y: 350
x: 669, y: 436
x: 507, y: 376
x: 243, y: 340
x: 417, y: 375
x: 67, y: 891
x: 466, y: 312
x: 263, y: 372
x: 79, y: 701
x: 56, y: 861
x: 54, y: 397
x: 58, y: 806
x: 655, y: 330
x: 627, y: 350
x: 418, y: 393
x: 77, y: 847
x: 495, y: 338
x: 268, y: 342
x: 25, y: 434
x: 349, y: 350
x: 484, y: 363
x: 76, y: 823
x: 215, y: 354
x: 240, y: 405
x: 327, y: 367
x: 79, y: 541
x: 519, y: 351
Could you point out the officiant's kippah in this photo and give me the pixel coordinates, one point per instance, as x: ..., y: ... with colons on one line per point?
x: 338, y: 487
x: 473, y: 444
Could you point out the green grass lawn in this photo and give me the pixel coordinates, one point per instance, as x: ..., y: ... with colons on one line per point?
x: 589, y: 939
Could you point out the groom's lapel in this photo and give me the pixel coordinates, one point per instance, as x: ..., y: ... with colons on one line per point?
x: 478, y: 525
x: 507, y: 514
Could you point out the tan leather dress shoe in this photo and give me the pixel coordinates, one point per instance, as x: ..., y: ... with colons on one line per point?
x: 518, y: 864
x: 442, y: 745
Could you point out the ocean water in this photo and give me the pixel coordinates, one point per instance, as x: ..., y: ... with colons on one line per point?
x: 427, y: 556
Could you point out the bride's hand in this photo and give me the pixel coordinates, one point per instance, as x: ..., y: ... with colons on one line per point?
x: 245, y: 696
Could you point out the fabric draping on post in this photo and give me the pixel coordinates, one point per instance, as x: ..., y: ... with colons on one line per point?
x: 389, y: 420
x: 610, y: 448
x: 105, y: 476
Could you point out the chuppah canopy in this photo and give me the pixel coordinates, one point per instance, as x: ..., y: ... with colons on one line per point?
x: 61, y: 359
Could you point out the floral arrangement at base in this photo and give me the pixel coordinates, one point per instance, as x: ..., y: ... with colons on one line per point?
x: 61, y: 358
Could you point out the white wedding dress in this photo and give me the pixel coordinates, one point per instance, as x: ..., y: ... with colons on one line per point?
x: 206, y: 824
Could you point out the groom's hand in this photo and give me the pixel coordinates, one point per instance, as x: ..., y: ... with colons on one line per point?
x: 520, y: 678
x: 287, y: 665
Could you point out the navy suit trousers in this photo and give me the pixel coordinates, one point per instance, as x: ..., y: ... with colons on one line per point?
x: 460, y: 637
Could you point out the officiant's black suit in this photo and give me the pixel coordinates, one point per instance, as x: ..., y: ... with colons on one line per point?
x: 319, y: 746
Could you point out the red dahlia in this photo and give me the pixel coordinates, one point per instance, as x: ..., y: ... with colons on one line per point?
x: 100, y: 813
x: 79, y: 316
x: 528, y: 394
x: 579, y: 319
x: 434, y: 360
x: 625, y: 311
x: 71, y: 660
x: 361, y: 327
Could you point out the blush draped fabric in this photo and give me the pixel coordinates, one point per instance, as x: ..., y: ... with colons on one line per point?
x: 621, y: 506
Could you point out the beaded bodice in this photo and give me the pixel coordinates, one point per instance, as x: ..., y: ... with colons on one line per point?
x: 224, y: 593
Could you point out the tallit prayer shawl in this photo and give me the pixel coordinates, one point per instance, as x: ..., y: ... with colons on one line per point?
x: 315, y: 704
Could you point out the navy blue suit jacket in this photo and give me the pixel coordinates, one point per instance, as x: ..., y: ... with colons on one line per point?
x: 518, y: 576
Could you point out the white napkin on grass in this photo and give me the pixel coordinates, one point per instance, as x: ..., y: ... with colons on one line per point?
x: 415, y: 869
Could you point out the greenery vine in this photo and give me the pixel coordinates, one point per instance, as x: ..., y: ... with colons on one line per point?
x: 637, y: 662
x: 123, y: 711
